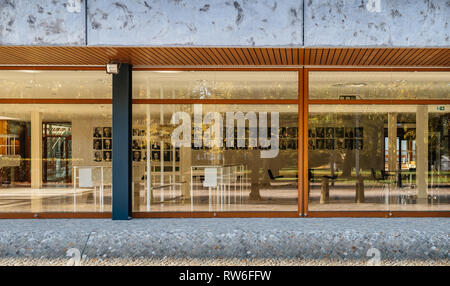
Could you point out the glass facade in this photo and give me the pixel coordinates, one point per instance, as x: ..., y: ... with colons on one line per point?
x: 206, y: 141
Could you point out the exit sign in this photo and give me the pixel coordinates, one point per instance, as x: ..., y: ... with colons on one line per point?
x: 441, y: 108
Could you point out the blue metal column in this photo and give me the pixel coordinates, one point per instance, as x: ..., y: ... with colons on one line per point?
x: 121, y: 163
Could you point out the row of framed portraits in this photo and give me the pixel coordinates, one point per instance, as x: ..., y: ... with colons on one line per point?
x: 102, y: 156
x: 336, y: 132
x: 156, y: 156
x: 335, y: 144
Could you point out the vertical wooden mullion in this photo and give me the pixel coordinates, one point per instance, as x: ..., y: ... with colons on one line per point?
x: 300, y: 143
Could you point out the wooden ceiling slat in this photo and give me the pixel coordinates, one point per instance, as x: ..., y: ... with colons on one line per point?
x: 433, y: 59
x: 355, y: 54
x: 398, y: 60
x: 227, y: 58
x: 330, y: 56
x: 420, y: 57
x: 301, y: 56
x: 429, y: 56
x: 318, y: 56
x: 217, y: 59
x: 255, y: 59
x: 375, y: 56
x: 405, y: 60
x: 197, y: 60
x: 398, y: 53
x: 336, y: 56
x: 445, y: 60
x: 26, y: 55
x: 358, y: 57
x: 207, y: 54
x: 381, y: 59
x: 260, y: 56
x: 307, y: 57
x: 277, y: 56
x: 235, y: 56
x: 441, y: 56
x: 145, y: 57
x: 348, y: 55
x: 312, y: 56
x: 364, y: 57
x: 283, y: 56
x: 170, y: 58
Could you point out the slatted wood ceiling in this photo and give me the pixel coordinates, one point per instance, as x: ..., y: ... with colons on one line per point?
x: 181, y: 56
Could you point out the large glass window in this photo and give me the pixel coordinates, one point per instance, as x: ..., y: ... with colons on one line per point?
x: 379, y: 157
x: 379, y: 85
x: 55, y: 157
x: 206, y: 157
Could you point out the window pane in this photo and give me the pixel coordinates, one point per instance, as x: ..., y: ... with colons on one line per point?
x: 55, y: 84
x: 379, y: 85
x: 379, y: 157
x: 55, y: 158
x: 215, y: 157
x: 215, y: 85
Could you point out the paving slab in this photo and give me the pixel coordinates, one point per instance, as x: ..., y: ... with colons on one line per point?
x: 230, y: 238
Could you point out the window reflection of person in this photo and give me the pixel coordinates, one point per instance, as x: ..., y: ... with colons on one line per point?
x: 136, y: 156
x: 107, y: 156
x: 97, y: 144
x: 107, y: 132
x: 107, y: 144
x: 97, y: 156
x: 97, y: 132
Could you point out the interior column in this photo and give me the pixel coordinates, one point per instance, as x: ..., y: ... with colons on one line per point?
x: 422, y: 150
x: 36, y: 150
x: 36, y: 161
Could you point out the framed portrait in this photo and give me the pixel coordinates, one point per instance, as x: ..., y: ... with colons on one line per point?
x: 349, y: 132
x: 155, y: 155
x: 107, y: 133
x: 312, y: 133
x: 320, y: 144
x: 97, y: 144
x: 359, y: 133
x: 136, y: 144
x: 107, y: 144
x: 98, y: 156
x: 320, y: 132
x: 167, y: 156
x: 135, y: 132
x: 339, y: 132
x: 329, y: 132
x: 97, y: 132
x: 142, y: 132
x: 340, y: 143
x: 136, y: 156
x: 107, y: 156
